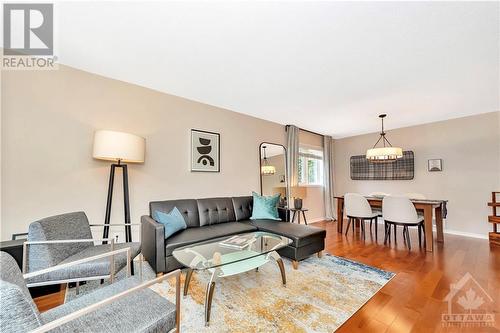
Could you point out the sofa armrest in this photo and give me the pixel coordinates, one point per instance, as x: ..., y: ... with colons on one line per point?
x: 153, y: 243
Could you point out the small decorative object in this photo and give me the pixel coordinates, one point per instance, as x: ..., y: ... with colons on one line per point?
x: 217, y: 258
x: 205, y: 151
x: 297, y: 203
x: 282, y: 178
x: 435, y: 165
x: 266, y: 168
x: 387, y: 153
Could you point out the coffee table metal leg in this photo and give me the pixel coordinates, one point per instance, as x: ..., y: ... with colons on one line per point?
x: 209, y: 295
x: 279, y: 261
x: 189, y: 274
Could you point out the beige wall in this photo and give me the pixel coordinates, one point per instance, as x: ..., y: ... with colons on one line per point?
x: 470, y: 149
x: 48, y: 121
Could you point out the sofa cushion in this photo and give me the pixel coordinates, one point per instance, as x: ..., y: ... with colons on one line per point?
x: 195, y: 235
x: 265, y: 207
x: 242, y: 207
x: 187, y: 207
x: 173, y: 221
x: 215, y: 210
x: 301, y: 235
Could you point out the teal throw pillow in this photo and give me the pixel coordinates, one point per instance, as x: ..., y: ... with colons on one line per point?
x: 265, y: 207
x: 173, y: 221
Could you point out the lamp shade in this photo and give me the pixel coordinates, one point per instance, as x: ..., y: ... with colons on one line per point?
x: 384, y: 154
x: 118, y: 146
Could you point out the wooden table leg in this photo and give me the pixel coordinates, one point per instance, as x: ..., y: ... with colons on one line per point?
x: 340, y: 214
x: 439, y: 224
x: 428, y: 228
x: 304, y: 215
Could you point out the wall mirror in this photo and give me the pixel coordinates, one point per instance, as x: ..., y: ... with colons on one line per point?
x: 273, y: 179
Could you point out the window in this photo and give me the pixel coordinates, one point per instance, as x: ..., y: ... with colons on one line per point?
x: 310, y: 167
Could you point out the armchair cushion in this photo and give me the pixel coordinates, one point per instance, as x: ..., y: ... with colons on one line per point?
x: 141, y: 311
x: 64, y: 226
x: 99, y: 267
x: 18, y: 312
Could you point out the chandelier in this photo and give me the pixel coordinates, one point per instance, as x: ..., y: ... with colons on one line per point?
x: 266, y: 169
x: 386, y: 153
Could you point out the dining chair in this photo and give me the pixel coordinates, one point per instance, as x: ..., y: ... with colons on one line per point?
x: 400, y: 211
x: 357, y: 208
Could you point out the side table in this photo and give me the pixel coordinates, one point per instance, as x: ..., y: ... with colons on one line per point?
x: 298, y: 212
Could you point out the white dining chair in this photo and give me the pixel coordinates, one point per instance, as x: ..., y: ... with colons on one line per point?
x: 357, y: 207
x: 399, y: 210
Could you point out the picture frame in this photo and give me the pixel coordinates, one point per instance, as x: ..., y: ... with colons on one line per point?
x: 205, y: 151
x: 434, y: 165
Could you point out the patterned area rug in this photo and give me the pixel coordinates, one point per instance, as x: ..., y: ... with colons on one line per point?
x: 321, y: 295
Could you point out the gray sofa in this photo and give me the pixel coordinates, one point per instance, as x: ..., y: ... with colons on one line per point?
x: 218, y: 217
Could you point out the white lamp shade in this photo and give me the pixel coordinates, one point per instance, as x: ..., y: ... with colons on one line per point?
x: 384, y: 154
x: 118, y: 146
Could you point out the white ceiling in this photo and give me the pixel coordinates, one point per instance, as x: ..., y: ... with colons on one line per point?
x: 330, y: 67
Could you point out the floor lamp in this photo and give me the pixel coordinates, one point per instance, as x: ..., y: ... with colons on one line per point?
x: 120, y: 148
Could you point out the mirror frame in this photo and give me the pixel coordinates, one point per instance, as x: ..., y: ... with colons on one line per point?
x: 286, y: 169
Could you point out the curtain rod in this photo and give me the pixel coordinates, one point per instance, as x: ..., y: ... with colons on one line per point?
x: 302, y: 129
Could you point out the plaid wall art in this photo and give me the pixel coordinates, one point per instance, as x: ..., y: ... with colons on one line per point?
x: 402, y: 169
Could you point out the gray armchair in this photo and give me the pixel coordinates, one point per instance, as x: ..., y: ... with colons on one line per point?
x: 66, y: 238
x: 124, y: 306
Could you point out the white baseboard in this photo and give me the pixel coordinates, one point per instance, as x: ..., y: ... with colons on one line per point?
x: 462, y: 233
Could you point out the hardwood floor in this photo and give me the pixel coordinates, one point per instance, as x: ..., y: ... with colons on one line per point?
x: 413, y: 300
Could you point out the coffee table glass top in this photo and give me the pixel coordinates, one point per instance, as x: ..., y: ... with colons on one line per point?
x: 230, y: 249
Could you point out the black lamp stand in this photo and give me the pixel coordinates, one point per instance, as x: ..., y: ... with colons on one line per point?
x: 128, y: 229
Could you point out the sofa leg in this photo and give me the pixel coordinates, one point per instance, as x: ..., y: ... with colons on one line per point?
x: 159, y: 274
x: 295, y: 264
x: 320, y: 254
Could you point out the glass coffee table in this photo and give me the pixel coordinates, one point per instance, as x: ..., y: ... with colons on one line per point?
x: 230, y: 256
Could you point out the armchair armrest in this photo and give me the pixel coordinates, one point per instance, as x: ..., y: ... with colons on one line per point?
x: 93, y: 307
x: 81, y: 261
x: 153, y: 243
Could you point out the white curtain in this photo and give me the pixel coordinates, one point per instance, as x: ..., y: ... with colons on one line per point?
x: 328, y: 192
x: 292, y: 157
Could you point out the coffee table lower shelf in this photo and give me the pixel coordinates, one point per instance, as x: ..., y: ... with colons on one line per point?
x: 234, y: 268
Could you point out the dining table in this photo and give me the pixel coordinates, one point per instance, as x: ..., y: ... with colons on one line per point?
x: 429, y: 208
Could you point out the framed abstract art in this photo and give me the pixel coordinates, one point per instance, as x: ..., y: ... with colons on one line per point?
x: 205, y: 151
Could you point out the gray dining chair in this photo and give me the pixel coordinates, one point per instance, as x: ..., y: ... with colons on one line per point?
x: 65, y: 238
x: 124, y: 306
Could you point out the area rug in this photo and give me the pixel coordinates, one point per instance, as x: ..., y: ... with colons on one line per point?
x: 321, y: 295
